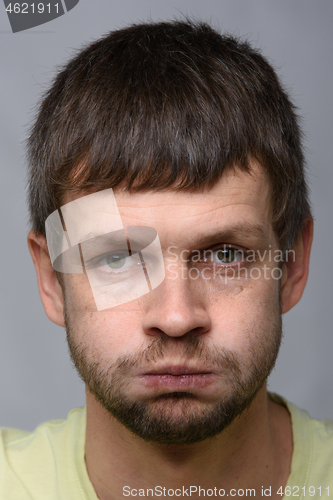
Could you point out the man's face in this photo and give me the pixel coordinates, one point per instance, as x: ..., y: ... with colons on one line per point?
x: 178, y: 364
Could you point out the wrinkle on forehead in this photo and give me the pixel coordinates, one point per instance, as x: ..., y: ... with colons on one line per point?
x: 238, y: 197
x: 235, y: 191
x: 234, y: 183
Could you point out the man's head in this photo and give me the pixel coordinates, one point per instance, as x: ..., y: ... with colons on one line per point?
x: 198, y: 141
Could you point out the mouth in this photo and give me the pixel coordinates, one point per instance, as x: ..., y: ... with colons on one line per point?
x: 177, y: 377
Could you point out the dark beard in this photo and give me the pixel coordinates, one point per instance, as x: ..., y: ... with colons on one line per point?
x: 194, y: 420
x: 160, y: 427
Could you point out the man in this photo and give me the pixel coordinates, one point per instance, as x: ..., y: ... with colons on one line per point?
x: 170, y: 229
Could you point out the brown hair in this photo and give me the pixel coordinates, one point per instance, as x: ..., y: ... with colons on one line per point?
x: 166, y: 105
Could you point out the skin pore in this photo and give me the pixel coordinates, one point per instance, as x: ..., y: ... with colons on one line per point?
x: 212, y: 340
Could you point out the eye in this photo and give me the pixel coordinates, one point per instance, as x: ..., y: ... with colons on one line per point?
x: 116, y: 260
x: 227, y: 255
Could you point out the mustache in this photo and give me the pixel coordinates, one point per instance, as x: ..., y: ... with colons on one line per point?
x: 191, y: 350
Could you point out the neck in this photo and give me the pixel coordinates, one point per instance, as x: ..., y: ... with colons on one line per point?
x: 253, y: 452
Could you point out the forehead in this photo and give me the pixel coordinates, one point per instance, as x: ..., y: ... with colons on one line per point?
x: 238, y: 199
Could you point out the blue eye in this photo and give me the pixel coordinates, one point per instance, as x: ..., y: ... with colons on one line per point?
x: 116, y: 260
x: 228, y: 255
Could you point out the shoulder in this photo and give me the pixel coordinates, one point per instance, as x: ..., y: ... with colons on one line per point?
x: 30, y: 460
x: 312, y: 462
x: 47, y: 435
x: 314, y: 439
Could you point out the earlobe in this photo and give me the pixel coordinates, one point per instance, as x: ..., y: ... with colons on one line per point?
x: 49, y: 288
x: 295, y: 269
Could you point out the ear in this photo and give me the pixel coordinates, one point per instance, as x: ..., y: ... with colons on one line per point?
x: 295, y: 269
x: 49, y: 288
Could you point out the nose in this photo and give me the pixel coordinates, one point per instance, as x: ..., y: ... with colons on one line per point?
x: 176, y: 307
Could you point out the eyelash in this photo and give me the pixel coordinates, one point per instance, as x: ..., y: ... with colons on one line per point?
x: 100, y: 263
x: 203, y: 260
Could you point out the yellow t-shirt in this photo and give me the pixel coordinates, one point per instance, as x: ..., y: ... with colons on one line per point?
x: 48, y: 464
x: 311, y: 475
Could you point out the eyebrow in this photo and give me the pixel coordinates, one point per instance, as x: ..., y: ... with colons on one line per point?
x: 132, y: 238
x: 252, y: 233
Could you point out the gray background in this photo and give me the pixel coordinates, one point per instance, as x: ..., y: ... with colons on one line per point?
x: 37, y: 380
